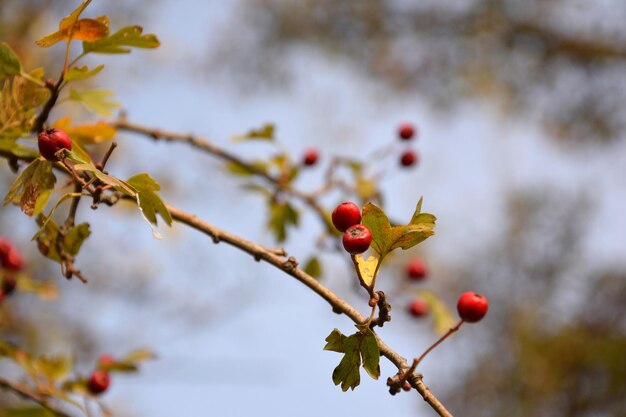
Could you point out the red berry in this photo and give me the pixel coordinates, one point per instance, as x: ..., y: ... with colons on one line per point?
x: 357, y: 239
x: 408, y: 158
x: 310, y: 157
x: 12, y: 260
x: 346, y: 215
x: 51, y: 141
x: 8, y: 284
x: 105, y: 360
x: 406, y: 131
x: 418, y: 307
x: 5, y: 246
x: 472, y: 306
x: 98, y: 382
x: 416, y: 270
x: 406, y: 386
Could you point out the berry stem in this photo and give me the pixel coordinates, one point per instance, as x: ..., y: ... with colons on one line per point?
x: 416, y: 361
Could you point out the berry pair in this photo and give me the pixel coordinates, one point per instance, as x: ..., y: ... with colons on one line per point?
x: 472, y: 307
x: 100, y: 379
x: 347, y: 218
x: 406, y: 131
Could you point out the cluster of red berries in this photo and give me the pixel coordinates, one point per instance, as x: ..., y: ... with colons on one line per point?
x: 11, y: 261
x: 100, y: 379
x: 416, y: 270
x: 406, y: 131
x: 356, y: 237
x: 51, y: 141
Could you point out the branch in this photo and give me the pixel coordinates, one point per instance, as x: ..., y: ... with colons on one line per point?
x: 213, y: 149
x: 276, y: 258
x: 289, y: 266
x: 31, y: 395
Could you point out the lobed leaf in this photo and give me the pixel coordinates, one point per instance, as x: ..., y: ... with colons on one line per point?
x: 117, y: 43
x: 359, y: 348
x: 9, y: 62
x: 32, y: 187
x: 149, y: 200
x: 347, y: 372
x: 386, y: 238
x: 96, y: 101
x: 266, y: 132
x: 82, y: 73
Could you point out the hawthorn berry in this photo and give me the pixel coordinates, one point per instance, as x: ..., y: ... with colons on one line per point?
x: 105, y: 360
x: 357, y: 239
x: 311, y: 156
x: 51, y: 141
x: 98, y: 382
x: 418, y: 307
x: 406, y: 131
x: 416, y: 270
x: 408, y: 158
x: 346, y: 215
x: 472, y: 306
x: 12, y: 260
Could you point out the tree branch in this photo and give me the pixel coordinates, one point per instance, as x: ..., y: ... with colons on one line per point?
x: 289, y: 266
x: 213, y: 149
x: 28, y: 394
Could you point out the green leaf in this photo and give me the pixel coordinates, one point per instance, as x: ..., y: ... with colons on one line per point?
x: 82, y: 73
x: 370, y: 353
x: 335, y: 341
x: 75, y: 238
x: 313, y: 267
x: 8, y: 143
x: 96, y: 101
x: 149, y: 200
x: 9, y: 62
x: 386, y: 238
x: 139, y: 355
x: 117, y: 43
x: 361, y: 347
x: 443, y: 319
x: 31, y: 188
x: 266, y: 132
x: 242, y: 170
x: 281, y: 215
x: 375, y: 219
x: 53, y: 368
x: 347, y: 372
x: 26, y: 412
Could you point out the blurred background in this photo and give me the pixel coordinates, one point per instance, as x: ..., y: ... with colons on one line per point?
x: 522, y: 157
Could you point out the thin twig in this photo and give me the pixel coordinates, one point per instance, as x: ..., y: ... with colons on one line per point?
x: 213, y: 149
x: 29, y: 394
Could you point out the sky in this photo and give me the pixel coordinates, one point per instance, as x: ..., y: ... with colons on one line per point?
x: 265, y: 356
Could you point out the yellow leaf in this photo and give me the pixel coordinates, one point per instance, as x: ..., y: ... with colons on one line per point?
x: 88, y: 30
x: 367, y: 268
x: 72, y: 18
x: 51, y: 39
x: 87, y: 134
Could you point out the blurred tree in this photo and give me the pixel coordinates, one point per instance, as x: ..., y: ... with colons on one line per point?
x: 558, y: 338
x: 557, y: 62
